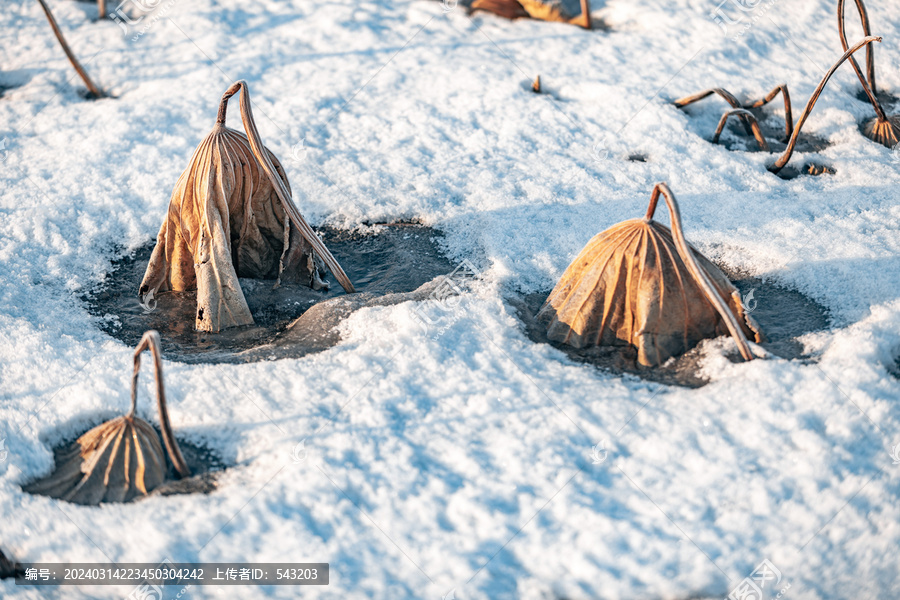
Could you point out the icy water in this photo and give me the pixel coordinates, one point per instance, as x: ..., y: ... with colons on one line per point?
x: 783, y: 315
x: 386, y: 263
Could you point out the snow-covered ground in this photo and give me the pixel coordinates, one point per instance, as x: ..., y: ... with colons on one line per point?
x: 461, y: 459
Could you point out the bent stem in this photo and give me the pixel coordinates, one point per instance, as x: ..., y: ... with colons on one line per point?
x: 725, y: 94
x: 783, y: 160
x: 870, y: 52
x: 93, y: 89
x: 151, y: 341
x: 728, y: 97
x: 584, y: 19
x: 697, y: 272
x: 283, y: 193
x: 788, y: 117
x: 747, y: 117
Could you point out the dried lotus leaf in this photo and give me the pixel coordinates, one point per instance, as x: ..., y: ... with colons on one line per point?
x: 116, y: 461
x: 535, y: 9
x: 634, y: 284
x: 884, y: 131
x: 231, y: 216
x: 508, y: 9
x: 121, y: 459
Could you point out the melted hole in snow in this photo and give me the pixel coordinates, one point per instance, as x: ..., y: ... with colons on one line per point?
x: 387, y: 264
x: 204, y: 463
x: 811, y: 168
x: 637, y: 158
x: 887, y: 100
x: 783, y: 315
x: 735, y: 137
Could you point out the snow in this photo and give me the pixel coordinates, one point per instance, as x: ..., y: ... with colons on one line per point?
x: 463, y: 460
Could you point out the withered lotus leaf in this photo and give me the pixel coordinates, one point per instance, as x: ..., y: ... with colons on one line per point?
x: 121, y: 459
x: 535, y: 9
x: 230, y: 216
x: 640, y: 284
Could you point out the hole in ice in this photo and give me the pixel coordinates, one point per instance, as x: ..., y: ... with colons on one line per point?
x: 783, y: 314
x: 811, y: 168
x: 387, y: 263
x: 704, y: 120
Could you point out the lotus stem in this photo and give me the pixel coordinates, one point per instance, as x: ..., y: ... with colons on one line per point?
x: 725, y: 94
x: 783, y: 160
x: 699, y: 275
x: 94, y: 90
x: 151, y: 341
x: 728, y: 96
x: 870, y: 52
x: 101, y: 9
x: 788, y: 117
x: 584, y: 19
x: 748, y: 117
x: 283, y: 193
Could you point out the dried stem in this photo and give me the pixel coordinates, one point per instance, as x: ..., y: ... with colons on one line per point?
x: 95, y: 91
x: 725, y: 94
x: 584, y: 19
x: 748, y: 117
x: 783, y: 160
x: 101, y: 9
x: 151, y: 341
x: 697, y: 272
x: 870, y: 52
x: 283, y: 193
x: 788, y: 116
x: 728, y: 96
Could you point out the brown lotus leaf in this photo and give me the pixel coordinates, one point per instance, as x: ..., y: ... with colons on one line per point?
x: 230, y: 216
x: 884, y: 131
x: 535, y: 9
x: 640, y: 284
x: 121, y: 459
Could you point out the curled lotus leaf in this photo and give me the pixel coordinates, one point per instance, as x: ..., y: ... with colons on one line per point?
x: 640, y: 284
x: 119, y: 460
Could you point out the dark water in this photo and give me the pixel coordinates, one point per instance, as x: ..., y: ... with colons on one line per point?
x: 783, y: 315
x: 291, y: 320
x: 887, y: 100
